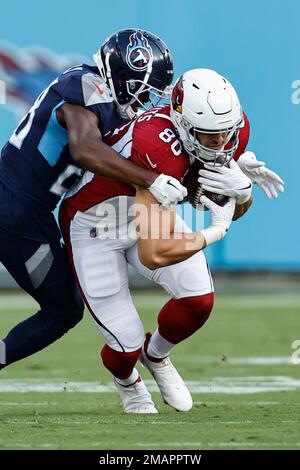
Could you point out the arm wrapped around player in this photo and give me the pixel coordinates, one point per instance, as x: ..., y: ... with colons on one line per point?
x: 167, y: 190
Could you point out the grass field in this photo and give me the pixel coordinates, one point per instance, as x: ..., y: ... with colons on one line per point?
x: 246, y: 390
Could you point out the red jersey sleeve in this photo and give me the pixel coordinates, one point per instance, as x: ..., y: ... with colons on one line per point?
x: 244, y: 134
x: 156, y: 146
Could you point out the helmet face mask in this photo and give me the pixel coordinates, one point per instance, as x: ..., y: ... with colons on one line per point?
x: 134, y: 63
x: 204, y: 102
x: 146, y: 96
x: 208, y: 155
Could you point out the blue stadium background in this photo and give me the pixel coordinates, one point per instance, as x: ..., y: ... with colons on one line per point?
x: 254, y: 44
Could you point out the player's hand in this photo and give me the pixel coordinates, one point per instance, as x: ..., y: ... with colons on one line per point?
x: 221, y: 218
x: 266, y: 179
x: 167, y: 190
x: 229, y: 180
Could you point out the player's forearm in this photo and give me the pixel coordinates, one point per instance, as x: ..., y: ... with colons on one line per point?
x: 102, y: 160
x: 241, y: 209
x: 158, y: 243
x: 90, y: 152
x: 179, y: 247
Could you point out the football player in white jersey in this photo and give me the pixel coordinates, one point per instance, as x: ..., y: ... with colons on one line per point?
x: 107, y: 224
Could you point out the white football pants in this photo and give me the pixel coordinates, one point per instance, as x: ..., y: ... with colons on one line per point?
x: 102, y: 272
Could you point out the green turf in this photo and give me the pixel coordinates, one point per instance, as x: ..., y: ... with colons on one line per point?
x: 241, y: 326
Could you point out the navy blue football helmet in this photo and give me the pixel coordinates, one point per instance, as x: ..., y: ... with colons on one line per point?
x: 138, y: 69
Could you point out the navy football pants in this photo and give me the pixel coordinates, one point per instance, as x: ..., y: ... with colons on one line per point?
x: 43, y: 271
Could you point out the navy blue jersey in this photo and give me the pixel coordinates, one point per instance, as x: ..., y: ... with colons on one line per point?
x: 36, y: 164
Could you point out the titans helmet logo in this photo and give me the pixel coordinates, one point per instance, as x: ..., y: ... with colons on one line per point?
x: 139, y: 53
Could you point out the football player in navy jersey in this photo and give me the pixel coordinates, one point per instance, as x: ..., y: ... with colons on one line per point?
x: 58, y: 139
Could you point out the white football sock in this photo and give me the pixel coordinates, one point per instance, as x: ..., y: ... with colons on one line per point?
x: 131, y: 379
x: 158, y: 346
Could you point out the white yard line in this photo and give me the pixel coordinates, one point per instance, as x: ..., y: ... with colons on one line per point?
x: 247, y: 421
x: 226, y: 385
x: 204, y: 445
x: 251, y: 444
x: 33, y: 403
x: 254, y: 360
x: 169, y: 444
x: 261, y: 360
x: 244, y: 403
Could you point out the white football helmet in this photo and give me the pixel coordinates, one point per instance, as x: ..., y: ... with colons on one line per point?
x: 204, y: 101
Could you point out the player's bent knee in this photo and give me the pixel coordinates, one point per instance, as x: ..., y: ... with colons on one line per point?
x: 180, y: 318
x: 76, y: 307
x: 131, y: 338
x: 202, y: 304
x: 67, y: 314
x: 120, y: 364
x: 189, y: 278
x: 120, y: 324
x: 76, y: 313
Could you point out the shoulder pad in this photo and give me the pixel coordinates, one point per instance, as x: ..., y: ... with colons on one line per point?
x: 95, y: 90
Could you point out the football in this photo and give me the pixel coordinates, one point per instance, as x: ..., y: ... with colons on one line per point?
x: 195, y: 190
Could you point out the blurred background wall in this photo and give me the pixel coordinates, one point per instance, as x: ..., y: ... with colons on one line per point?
x: 254, y: 45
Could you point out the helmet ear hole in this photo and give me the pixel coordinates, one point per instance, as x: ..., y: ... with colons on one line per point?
x: 119, y: 84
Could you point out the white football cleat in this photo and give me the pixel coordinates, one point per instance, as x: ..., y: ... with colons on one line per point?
x: 136, y: 398
x: 172, y: 388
